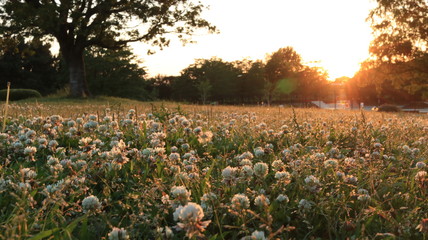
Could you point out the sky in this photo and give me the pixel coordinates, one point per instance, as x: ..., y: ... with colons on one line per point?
x: 333, y: 33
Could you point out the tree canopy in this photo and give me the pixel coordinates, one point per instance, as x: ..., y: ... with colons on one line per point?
x: 398, y: 53
x: 79, y: 24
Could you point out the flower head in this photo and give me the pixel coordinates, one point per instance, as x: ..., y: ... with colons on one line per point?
x: 189, y: 218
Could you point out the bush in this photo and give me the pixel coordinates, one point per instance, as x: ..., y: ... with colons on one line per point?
x: 18, y: 94
x: 388, y: 108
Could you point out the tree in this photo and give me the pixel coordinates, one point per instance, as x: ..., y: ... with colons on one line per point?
x: 79, y: 24
x: 28, y: 65
x: 116, y: 73
x: 281, y: 72
x: 400, y: 28
x: 221, y: 75
x: 251, y: 80
x: 398, y: 52
x: 204, y: 88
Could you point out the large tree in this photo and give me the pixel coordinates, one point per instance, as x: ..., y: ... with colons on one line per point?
x: 399, y: 49
x: 281, y: 71
x: 78, y: 24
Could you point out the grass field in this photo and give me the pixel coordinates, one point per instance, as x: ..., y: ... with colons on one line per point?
x: 118, y: 169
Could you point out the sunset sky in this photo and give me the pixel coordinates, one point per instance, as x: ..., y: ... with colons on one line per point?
x: 333, y: 32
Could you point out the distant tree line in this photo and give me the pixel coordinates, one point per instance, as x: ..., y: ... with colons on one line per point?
x: 281, y: 78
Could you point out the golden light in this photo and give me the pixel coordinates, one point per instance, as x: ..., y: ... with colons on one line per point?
x: 333, y: 33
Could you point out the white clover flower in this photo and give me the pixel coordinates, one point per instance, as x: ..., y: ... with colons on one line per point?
x: 277, y: 165
x: 283, y: 175
x: 330, y: 163
x: 349, y: 161
x: 261, y: 201
x: 240, y: 201
x: 282, y: 198
x: 53, y: 143
x: 259, y: 152
x: 377, y: 145
x: 209, y: 197
x: 305, y: 205
x: 189, y: 218
x: 91, y: 203
x: 420, y: 175
x: 311, y: 180
x: 258, y: 235
x: 229, y: 174
x: 31, y: 134
x: 261, y: 169
x: 246, y: 162
x: 246, y: 155
x: 247, y: 171
x: 118, y: 234
x: 174, y: 156
x: 28, y: 173
x: 30, y: 150
x: 205, y: 137
x: 421, y: 165
x: 351, y: 179
x: 180, y: 193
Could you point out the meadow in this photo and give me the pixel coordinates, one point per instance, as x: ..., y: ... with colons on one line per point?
x: 116, y: 169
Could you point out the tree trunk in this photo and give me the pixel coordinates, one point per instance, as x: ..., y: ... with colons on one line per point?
x: 73, y: 57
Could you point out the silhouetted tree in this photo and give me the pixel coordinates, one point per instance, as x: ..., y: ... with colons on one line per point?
x: 116, y: 73
x: 77, y: 25
x: 281, y: 72
x: 398, y: 52
x: 28, y: 65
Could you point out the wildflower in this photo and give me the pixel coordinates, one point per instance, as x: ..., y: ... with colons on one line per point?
x: 363, y: 195
x: 118, y: 234
x: 258, y: 235
x: 28, y: 173
x: 421, y: 165
x: 181, y: 194
x: 246, y: 162
x: 312, y: 183
x: 259, y: 152
x: 351, y: 179
x: 420, y: 175
x: 91, y: 203
x: 282, y: 198
x: 282, y: 175
x: 189, y: 218
x: 240, y: 201
x: 53, y: 144
x: 229, y: 174
x: 205, y: 137
x: 247, y: 172
x: 261, y: 169
x: 277, y: 165
x: 330, y: 163
x: 261, y: 201
x: 305, y: 205
x: 174, y: 156
x: 30, y: 151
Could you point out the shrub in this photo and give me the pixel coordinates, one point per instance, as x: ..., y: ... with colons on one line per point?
x: 18, y: 94
x: 388, y: 108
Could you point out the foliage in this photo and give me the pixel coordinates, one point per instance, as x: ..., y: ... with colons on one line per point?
x: 28, y: 65
x: 398, y: 52
x: 19, y: 94
x: 116, y: 73
x: 77, y: 25
x: 175, y: 172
